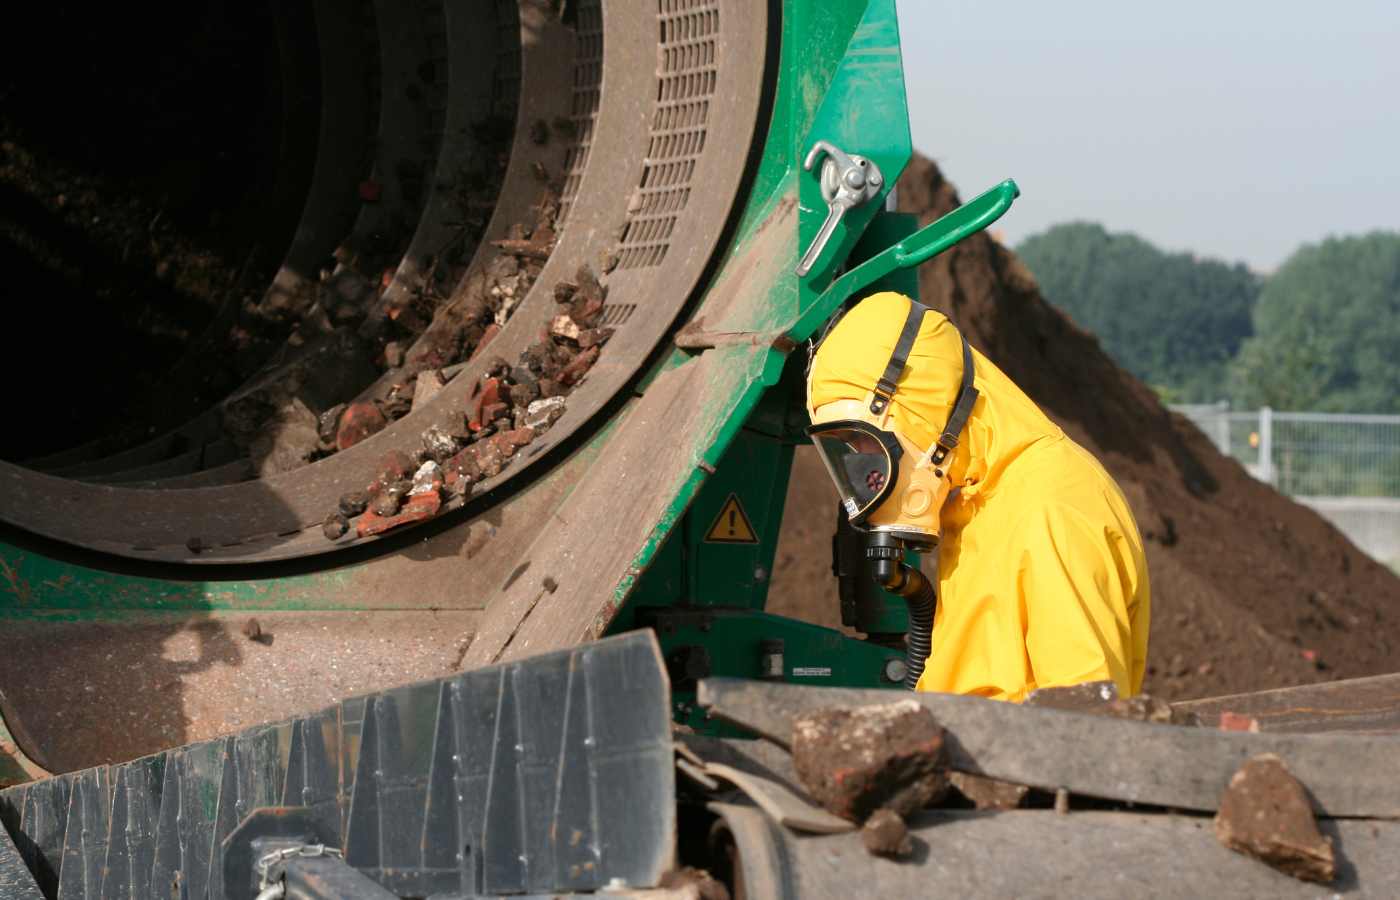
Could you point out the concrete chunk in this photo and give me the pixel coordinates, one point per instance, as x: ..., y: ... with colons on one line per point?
x: 1265, y: 813
x: 855, y: 760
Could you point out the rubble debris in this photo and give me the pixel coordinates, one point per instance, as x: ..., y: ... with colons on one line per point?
x: 1101, y: 698
x: 335, y: 526
x: 326, y: 424
x: 886, y: 834
x: 354, y: 503
x: 688, y: 881
x: 357, y: 422
x: 593, y: 337
x: 564, y: 327
x: 523, y: 247
x: 573, y: 373
x: 854, y: 760
x: 427, y: 478
x: 1091, y: 696
x: 393, y: 355
x: 438, y: 445
x: 389, y: 498
x: 252, y: 630
x: 304, y: 388
x: 287, y: 440
x: 424, y: 500
x: 1230, y: 721
x: 393, y: 466
x: 1147, y: 708
x: 1265, y: 813
x: 988, y: 793
x: 510, y: 406
x: 541, y: 414
x: 427, y: 386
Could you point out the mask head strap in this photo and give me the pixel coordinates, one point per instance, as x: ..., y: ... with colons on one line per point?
x: 962, y: 408
x: 885, y: 387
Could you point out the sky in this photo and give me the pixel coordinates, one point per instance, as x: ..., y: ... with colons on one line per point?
x: 1236, y: 129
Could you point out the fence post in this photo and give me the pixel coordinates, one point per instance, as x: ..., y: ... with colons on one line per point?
x: 1266, y: 444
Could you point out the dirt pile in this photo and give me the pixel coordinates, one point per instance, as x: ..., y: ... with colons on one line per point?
x: 1249, y: 589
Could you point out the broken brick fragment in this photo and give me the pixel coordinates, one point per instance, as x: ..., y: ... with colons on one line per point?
x: 488, y: 393
x: 521, y: 436
x: 574, y: 371
x: 419, y: 508
x: 357, y: 422
x: 1265, y: 813
x: 493, y: 411
x: 1230, y: 721
x: 855, y: 760
x: 392, y: 467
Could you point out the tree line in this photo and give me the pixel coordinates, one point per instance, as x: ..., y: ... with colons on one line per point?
x: 1320, y: 333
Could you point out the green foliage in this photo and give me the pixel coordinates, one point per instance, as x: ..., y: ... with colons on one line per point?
x: 1327, y: 330
x: 1171, y: 319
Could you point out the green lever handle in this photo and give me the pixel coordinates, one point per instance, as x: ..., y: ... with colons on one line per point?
x: 917, y: 248
x: 965, y: 221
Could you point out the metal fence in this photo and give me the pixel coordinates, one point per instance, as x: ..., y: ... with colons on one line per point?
x: 1308, y: 454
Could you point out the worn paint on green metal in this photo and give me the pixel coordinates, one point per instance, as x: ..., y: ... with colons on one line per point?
x: 34, y: 586
x: 814, y: 40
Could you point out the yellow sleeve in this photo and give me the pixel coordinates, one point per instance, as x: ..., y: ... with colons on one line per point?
x: 1076, y: 585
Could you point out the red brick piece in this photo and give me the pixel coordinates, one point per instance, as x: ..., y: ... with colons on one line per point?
x: 419, y: 508
x: 359, y: 421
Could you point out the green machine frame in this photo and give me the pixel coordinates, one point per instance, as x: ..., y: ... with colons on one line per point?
x: 701, y: 590
x: 839, y: 79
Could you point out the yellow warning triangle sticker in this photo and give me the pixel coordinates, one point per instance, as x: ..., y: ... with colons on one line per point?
x: 732, y: 525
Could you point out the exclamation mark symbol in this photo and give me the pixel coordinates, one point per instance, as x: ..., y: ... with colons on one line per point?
x: 732, y: 513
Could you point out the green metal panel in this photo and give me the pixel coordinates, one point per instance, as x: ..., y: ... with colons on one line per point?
x: 811, y: 654
x: 752, y: 485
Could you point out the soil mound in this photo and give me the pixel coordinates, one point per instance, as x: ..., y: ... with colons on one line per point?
x: 1249, y: 589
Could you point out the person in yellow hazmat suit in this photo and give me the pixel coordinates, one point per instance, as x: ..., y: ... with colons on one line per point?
x: 1042, y: 579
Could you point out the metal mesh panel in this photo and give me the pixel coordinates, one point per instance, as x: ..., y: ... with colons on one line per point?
x: 1309, y: 454
x: 583, y: 109
x: 687, y: 73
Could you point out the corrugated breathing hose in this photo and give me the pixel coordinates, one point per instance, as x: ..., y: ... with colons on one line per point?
x: 886, y: 556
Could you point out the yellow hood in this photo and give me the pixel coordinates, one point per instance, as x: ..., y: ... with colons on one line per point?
x: 1004, y: 422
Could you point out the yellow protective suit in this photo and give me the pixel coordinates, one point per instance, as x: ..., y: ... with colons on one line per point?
x: 1041, y: 572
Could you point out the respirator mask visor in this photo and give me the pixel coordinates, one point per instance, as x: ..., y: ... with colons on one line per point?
x: 862, y: 460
